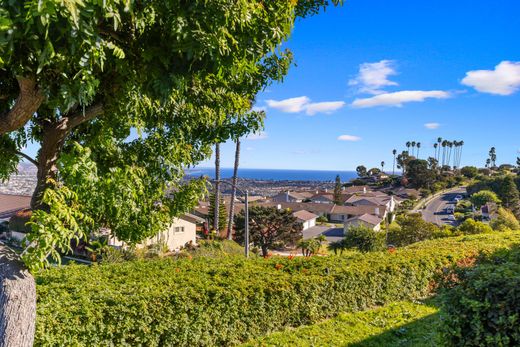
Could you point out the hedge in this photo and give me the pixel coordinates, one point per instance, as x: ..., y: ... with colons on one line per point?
x: 225, y: 301
x: 481, y: 307
x: 397, y: 324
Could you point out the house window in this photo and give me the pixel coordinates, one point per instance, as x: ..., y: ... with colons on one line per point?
x: 179, y: 229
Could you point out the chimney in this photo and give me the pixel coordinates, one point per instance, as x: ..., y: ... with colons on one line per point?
x: 377, y: 211
x: 278, y: 207
x: 364, y: 190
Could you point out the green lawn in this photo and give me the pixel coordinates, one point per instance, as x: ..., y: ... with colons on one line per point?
x: 398, y: 324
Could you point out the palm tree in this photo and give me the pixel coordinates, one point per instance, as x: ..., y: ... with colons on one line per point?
x: 488, y: 161
x: 418, y: 148
x: 450, y: 147
x: 444, y: 144
x: 234, y: 191
x: 382, y: 166
x: 413, y: 147
x: 461, y: 144
x: 394, y: 152
x: 217, y: 188
x: 436, y: 145
x: 439, y: 141
x: 408, y: 144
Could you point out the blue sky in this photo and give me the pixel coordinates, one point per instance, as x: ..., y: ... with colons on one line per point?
x: 363, y: 63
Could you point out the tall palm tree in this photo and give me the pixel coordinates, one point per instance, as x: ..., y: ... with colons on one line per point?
x: 439, y: 141
x: 418, y: 148
x: 435, y: 145
x: 382, y: 166
x: 461, y: 144
x: 413, y: 148
x: 444, y: 144
x: 394, y: 152
x: 217, y: 188
x: 234, y: 191
x: 450, y: 147
x: 408, y: 144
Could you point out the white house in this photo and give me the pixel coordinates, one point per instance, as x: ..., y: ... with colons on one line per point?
x: 368, y: 220
x: 182, y: 231
x: 308, y: 219
x: 289, y: 196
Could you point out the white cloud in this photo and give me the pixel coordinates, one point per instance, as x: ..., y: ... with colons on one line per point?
x: 323, y: 107
x: 399, y: 98
x: 303, y: 103
x: 262, y: 135
x: 349, y: 138
x: 292, y: 105
x: 373, y: 76
x: 432, y: 126
x: 503, y: 80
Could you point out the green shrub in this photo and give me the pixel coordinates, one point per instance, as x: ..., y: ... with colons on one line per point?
x: 470, y: 226
x: 412, y: 229
x: 506, y: 220
x: 322, y: 219
x: 481, y: 306
x: 19, y: 220
x: 364, y: 239
x: 227, y: 300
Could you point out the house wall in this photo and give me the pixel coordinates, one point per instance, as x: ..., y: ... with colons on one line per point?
x: 321, y: 200
x: 308, y: 224
x: 178, y: 234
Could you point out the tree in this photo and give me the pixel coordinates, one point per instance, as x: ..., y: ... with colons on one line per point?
x: 481, y: 198
x: 413, y: 148
x: 402, y: 161
x: 508, y: 193
x: 505, y: 221
x: 361, y: 171
x: 419, y: 174
x: 373, y: 171
x: 435, y: 146
x: 217, y: 198
x: 268, y: 225
x: 469, y: 171
x: 492, y: 157
x: 394, y: 152
x: 439, y: 142
x: 418, y: 148
x: 518, y: 162
x: 234, y: 190
x: 87, y: 73
x: 382, y: 166
x: 222, y: 219
x: 337, y: 191
x: 364, y: 239
x: 470, y: 226
x: 412, y: 228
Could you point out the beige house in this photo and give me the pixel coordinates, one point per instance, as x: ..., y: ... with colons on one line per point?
x: 308, y: 219
x: 368, y: 220
x: 182, y: 231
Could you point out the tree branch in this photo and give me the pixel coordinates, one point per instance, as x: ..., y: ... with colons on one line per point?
x: 21, y: 154
x: 77, y: 118
x: 27, y: 103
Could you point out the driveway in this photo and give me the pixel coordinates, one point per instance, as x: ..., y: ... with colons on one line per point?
x: 435, y: 210
x: 331, y: 233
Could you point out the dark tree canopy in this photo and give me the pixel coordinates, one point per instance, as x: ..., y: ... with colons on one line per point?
x: 268, y: 225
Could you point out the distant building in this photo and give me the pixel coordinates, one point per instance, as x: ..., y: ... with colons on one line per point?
x: 10, y: 204
x: 289, y: 196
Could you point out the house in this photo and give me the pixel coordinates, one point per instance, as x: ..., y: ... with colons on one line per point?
x: 342, y: 213
x: 379, y: 200
x: 322, y: 198
x: 289, y: 196
x: 308, y: 219
x: 368, y: 220
x: 356, y: 190
x: 182, y: 231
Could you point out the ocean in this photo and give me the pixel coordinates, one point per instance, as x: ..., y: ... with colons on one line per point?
x: 275, y: 174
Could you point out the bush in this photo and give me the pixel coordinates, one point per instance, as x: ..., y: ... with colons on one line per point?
x: 322, y: 219
x: 412, y: 229
x: 364, y: 239
x: 19, y: 220
x: 470, y: 226
x: 506, y: 220
x: 227, y: 300
x: 481, y: 305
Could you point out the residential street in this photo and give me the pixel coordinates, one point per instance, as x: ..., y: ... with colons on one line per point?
x: 435, y: 210
x: 331, y: 233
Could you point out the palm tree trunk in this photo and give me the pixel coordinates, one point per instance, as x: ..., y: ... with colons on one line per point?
x: 234, y: 191
x: 393, y: 168
x: 17, y: 301
x: 217, y: 188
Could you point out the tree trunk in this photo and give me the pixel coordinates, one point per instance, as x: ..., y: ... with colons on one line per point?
x: 234, y: 191
x: 52, y: 141
x: 217, y: 188
x: 265, y: 251
x: 17, y: 301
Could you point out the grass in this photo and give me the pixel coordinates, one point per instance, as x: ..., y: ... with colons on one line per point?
x: 397, y: 324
